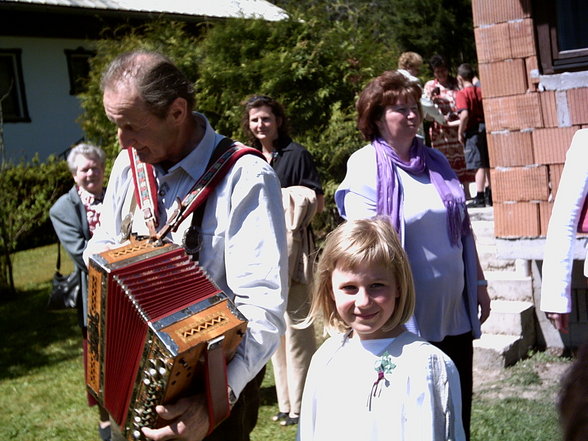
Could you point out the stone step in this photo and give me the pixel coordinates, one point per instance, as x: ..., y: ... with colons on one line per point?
x: 489, y: 261
x: 510, y: 318
x: 509, y: 285
x: 509, y: 332
x: 498, y: 351
x: 484, y: 232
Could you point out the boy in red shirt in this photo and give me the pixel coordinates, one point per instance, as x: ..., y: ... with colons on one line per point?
x: 472, y: 134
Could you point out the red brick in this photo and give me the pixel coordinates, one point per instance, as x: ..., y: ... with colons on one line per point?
x: 548, y: 108
x: 578, y: 105
x: 515, y: 184
x: 522, y: 42
x: 515, y: 112
x: 555, y: 171
x: 519, y: 219
x: 545, y: 209
x: 532, y: 69
x: 492, y: 43
x: 503, y: 78
x: 495, y: 11
x: 510, y: 149
x: 550, y: 145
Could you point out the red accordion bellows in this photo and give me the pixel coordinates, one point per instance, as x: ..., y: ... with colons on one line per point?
x: 151, y: 313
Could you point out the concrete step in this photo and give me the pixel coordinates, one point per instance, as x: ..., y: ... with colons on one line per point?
x: 499, y: 351
x: 509, y: 332
x: 509, y: 285
x: 489, y: 261
x: 510, y: 318
x: 484, y: 232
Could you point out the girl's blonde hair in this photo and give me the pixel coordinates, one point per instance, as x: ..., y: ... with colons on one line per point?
x: 366, y: 241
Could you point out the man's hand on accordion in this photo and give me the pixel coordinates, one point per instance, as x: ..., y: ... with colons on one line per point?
x: 188, y: 420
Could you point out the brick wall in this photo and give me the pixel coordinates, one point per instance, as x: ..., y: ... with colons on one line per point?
x: 529, y: 128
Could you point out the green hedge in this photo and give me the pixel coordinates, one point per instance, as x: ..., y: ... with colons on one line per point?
x: 27, y: 191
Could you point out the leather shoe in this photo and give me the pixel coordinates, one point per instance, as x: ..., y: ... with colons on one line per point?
x: 289, y: 421
x: 476, y: 203
x: 280, y: 417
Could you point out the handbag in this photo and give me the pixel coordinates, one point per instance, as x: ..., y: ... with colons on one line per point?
x: 583, y: 222
x: 65, y: 289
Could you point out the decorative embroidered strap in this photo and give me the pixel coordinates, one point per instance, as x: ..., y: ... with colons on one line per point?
x: 205, y: 185
x: 145, y: 190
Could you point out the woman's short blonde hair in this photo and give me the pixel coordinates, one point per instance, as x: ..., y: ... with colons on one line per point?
x: 371, y: 241
x: 410, y: 60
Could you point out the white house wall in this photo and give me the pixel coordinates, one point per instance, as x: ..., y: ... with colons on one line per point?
x: 53, y: 111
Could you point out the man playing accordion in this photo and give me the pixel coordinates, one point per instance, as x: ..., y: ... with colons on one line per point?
x: 241, y: 236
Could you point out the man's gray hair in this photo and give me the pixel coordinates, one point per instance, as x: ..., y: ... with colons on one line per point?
x: 157, y: 80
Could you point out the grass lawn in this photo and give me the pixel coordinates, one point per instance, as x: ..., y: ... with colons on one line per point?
x: 42, y: 393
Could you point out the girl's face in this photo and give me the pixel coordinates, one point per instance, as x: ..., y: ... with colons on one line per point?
x: 365, y: 298
x: 263, y: 124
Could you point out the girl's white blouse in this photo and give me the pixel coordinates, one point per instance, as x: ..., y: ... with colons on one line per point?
x: 418, y: 400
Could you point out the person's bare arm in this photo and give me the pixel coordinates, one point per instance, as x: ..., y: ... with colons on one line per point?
x: 463, y: 123
x: 560, y: 321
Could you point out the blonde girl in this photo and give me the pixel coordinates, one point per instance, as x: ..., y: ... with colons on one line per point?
x: 372, y: 379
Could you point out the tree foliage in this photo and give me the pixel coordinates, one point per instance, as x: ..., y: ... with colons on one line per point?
x: 427, y: 27
x: 315, y: 63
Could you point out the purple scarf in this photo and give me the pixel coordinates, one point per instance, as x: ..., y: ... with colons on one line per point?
x: 422, y: 160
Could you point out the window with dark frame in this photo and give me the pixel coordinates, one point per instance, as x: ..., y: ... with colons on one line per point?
x: 562, y: 35
x: 78, y: 68
x: 12, y: 89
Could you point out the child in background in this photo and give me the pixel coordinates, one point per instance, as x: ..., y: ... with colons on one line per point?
x: 472, y: 133
x: 375, y: 380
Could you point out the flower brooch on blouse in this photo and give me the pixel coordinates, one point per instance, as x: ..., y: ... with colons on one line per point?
x: 383, y: 366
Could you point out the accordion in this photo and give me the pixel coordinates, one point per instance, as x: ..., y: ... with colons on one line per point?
x: 158, y: 329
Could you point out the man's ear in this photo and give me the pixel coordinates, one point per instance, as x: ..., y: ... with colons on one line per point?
x: 178, y: 110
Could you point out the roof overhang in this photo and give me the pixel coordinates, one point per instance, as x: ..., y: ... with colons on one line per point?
x: 185, y: 9
x: 88, y: 19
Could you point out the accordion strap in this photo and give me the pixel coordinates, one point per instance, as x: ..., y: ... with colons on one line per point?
x: 205, y: 185
x: 217, y: 394
x: 146, y: 186
x: 145, y: 189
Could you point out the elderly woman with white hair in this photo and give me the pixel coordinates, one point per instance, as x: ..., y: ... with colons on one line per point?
x: 75, y: 215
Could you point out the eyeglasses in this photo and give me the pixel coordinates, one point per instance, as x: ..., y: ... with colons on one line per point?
x: 404, y: 109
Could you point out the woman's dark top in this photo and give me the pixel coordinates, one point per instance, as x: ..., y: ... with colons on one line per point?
x: 294, y: 166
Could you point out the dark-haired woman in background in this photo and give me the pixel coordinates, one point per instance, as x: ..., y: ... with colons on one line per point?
x: 265, y: 123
